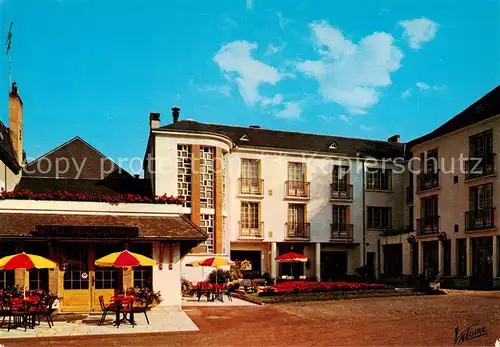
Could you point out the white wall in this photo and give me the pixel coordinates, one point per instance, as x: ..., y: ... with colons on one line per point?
x: 274, y: 171
x: 8, y: 179
x: 168, y: 281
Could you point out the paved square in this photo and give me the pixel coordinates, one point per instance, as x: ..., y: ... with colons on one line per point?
x: 393, y: 321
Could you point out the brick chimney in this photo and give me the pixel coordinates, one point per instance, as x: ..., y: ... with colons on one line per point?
x: 16, y: 123
x: 154, y: 120
x: 175, y: 114
x: 393, y: 139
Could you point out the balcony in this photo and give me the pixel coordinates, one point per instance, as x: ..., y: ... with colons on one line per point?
x: 428, y: 180
x: 480, y: 219
x: 409, y: 195
x: 341, y: 233
x: 297, y: 189
x: 251, y: 230
x: 251, y: 186
x: 341, y: 191
x: 297, y: 230
x: 480, y: 167
x: 428, y: 226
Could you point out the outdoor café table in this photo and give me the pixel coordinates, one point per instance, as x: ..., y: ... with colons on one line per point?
x: 124, y: 305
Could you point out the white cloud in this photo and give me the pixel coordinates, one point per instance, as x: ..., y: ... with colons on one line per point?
x: 275, y: 100
x: 418, y: 31
x: 344, y: 118
x: 325, y: 119
x: 272, y: 49
x: 365, y: 128
x: 282, y: 20
x: 292, y: 110
x: 406, y: 93
x: 222, y: 89
x: 423, y: 86
x: 350, y: 74
x: 235, y: 59
x: 249, y: 4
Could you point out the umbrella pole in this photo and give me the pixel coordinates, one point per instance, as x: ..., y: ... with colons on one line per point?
x: 24, y: 284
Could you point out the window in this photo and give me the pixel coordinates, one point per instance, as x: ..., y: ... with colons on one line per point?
x: 143, y: 275
x: 296, y: 172
x: 207, y: 224
x: 39, y: 279
x: 429, y: 161
x: 481, y: 145
x: 378, y: 179
x: 106, y: 277
x: 6, y: 279
x: 207, y: 177
x: 340, y: 178
x: 77, y: 263
x: 429, y: 207
x: 461, y: 257
x: 250, y: 176
x: 250, y: 216
x: 481, y: 197
x: 297, y: 225
x: 184, y: 173
x: 379, y: 217
x: 340, y: 216
x: 296, y: 184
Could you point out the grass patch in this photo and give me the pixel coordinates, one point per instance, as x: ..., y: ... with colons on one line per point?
x: 304, y: 297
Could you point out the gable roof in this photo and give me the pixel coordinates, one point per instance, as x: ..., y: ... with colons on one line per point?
x: 6, y: 151
x: 486, y: 107
x: 295, y: 141
x: 76, y: 159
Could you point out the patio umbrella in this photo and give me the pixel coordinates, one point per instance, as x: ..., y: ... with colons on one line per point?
x: 125, y: 259
x: 25, y: 261
x: 291, y: 257
x: 215, y: 262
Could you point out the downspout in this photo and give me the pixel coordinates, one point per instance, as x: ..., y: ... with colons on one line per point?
x: 364, y: 212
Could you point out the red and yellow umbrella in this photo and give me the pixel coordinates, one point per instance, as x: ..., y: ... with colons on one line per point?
x: 125, y: 259
x: 26, y: 261
x: 215, y: 262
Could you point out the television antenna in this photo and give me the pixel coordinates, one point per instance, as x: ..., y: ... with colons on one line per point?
x: 8, y: 51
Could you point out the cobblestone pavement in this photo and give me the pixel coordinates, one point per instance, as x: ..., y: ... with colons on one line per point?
x: 395, y: 321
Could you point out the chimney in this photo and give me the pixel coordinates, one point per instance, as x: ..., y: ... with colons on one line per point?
x: 16, y: 123
x: 175, y: 114
x: 154, y: 120
x: 393, y: 139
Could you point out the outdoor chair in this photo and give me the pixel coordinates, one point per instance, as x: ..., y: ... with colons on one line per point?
x: 19, y: 313
x: 44, y: 309
x: 106, y: 309
x: 143, y: 308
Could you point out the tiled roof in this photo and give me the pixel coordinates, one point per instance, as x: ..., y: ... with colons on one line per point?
x: 6, y: 152
x: 168, y: 228
x: 486, y: 107
x: 78, y: 154
x: 109, y: 186
x: 285, y: 140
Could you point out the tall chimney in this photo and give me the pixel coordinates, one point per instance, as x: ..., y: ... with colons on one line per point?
x: 175, y: 114
x: 394, y: 139
x: 16, y: 123
x: 154, y: 120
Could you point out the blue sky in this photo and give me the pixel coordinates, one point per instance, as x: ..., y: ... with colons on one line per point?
x: 351, y: 68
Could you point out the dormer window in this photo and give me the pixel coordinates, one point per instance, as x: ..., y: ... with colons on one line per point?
x: 334, y: 146
x: 244, y: 138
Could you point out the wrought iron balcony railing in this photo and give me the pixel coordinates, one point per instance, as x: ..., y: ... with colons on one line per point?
x: 341, y: 191
x: 249, y: 229
x: 480, y: 166
x: 297, y: 189
x: 428, y: 225
x: 427, y: 180
x: 297, y: 230
x: 251, y: 186
x: 480, y: 219
x: 341, y: 232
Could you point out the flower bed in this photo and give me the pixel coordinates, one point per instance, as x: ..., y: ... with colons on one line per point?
x: 18, y: 292
x: 142, y: 295
x: 26, y: 194
x: 296, y: 287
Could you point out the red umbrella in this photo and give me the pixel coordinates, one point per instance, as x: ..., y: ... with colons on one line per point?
x: 291, y: 257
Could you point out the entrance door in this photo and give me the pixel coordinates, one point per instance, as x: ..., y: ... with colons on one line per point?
x: 430, y: 254
x: 482, y: 266
x: 76, y: 280
x: 83, y: 282
x: 370, y: 264
x: 333, y: 265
